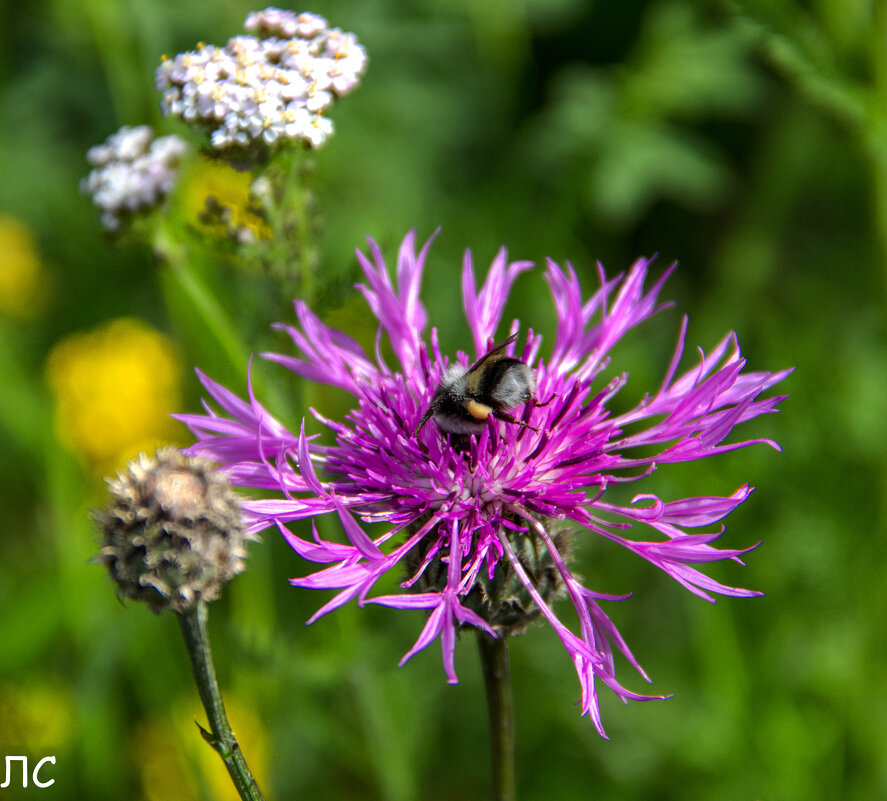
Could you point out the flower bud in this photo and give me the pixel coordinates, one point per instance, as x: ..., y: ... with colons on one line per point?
x: 502, y: 599
x: 172, y: 531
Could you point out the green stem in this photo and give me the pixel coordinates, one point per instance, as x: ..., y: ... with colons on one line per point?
x: 208, y: 308
x: 878, y: 126
x: 500, y: 705
x: 286, y: 210
x: 802, y: 54
x: 220, y: 736
x: 299, y: 204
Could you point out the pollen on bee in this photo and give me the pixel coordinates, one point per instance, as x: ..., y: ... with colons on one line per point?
x: 479, y: 411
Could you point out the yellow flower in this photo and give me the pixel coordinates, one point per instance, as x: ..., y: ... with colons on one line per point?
x: 114, y: 389
x: 165, y: 776
x: 37, y: 718
x: 230, y: 190
x: 23, y: 281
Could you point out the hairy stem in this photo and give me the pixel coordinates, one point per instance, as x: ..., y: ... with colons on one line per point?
x: 205, y: 305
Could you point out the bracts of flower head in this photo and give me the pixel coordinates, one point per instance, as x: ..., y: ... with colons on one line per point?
x: 172, y: 533
x: 272, y: 85
x: 134, y: 172
x: 482, y: 530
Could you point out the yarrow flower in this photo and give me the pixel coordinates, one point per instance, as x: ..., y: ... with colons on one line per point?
x: 481, y: 524
x: 259, y: 90
x: 133, y: 173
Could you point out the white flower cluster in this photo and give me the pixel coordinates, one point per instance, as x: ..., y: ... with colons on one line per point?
x: 258, y: 90
x: 133, y: 172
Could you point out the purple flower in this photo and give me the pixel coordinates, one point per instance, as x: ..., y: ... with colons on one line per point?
x: 481, y: 525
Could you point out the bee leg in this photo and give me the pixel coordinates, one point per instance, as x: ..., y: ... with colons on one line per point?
x: 545, y: 403
x: 425, y: 418
x: 499, y: 415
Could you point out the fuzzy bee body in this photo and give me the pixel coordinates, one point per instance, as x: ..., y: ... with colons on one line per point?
x: 466, y: 398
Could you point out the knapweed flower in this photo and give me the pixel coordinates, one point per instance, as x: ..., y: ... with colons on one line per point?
x: 482, y: 529
x: 133, y: 173
x: 259, y: 90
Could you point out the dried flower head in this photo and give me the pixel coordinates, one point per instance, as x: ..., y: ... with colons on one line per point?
x: 482, y: 527
x: 172, y: 531
x: 259, y: 90
x: 133, y: 173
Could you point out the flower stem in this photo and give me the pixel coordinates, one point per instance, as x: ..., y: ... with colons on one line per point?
x: 286, y: 207
x: 878, y: 125
x: 298, y: 201
x: 497, y: 680
x: 206, y: 306
x: 220, y: 736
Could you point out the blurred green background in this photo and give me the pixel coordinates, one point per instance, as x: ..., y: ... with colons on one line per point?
x: 746, y: 140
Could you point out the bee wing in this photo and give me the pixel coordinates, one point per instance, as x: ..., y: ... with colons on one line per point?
x: 494, y: 350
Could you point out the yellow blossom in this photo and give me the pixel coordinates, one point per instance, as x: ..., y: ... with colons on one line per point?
x: 114, y: 388
x: 37, y: 717
x: 165, y: 776
x: 230, y: 188
x: 23, y: 283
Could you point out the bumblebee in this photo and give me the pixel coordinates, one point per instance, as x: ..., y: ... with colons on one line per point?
x: 494, y: 385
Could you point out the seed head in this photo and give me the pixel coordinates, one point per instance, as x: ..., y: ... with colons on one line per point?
x: 172, y: 531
